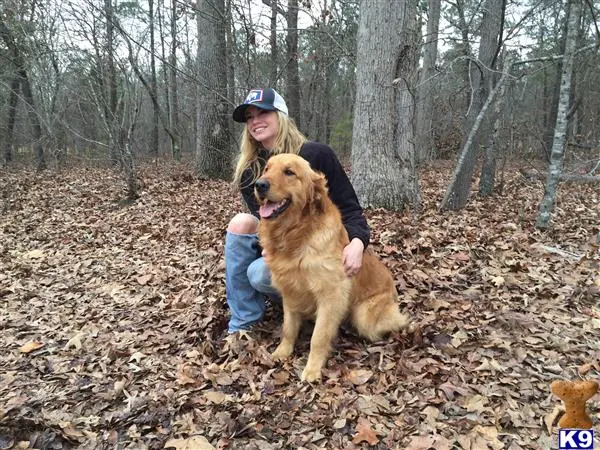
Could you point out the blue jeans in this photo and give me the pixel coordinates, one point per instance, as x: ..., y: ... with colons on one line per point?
x: 247, y: 280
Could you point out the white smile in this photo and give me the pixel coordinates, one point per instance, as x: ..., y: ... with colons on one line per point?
x: 258, y: 130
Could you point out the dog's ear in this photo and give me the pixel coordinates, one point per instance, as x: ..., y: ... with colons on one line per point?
x: 319, y: 191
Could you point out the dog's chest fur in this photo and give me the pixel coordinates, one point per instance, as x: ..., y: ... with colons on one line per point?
x: 299, y: 276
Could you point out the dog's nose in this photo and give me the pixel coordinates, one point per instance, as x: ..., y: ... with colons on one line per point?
x: 261, y: 186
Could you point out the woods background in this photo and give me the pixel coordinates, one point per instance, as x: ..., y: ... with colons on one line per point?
x: 115, y: 139
x: 389, y: 85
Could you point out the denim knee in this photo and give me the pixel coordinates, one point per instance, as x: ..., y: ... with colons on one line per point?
x: 260, y: 277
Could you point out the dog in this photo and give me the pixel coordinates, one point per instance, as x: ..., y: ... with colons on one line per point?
x: 303, y: 237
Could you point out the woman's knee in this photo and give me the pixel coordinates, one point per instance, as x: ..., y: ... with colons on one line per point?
x: 243, y: 223
x: 259, y: 276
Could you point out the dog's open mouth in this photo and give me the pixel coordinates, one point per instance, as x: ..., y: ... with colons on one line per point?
x: 270, y: 210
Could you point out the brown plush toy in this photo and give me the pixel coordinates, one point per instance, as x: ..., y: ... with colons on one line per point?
x: 574, y: 394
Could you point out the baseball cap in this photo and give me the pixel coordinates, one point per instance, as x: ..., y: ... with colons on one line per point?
x: 267, y: 99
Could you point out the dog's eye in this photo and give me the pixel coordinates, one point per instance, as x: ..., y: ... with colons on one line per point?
x: 289, y: 172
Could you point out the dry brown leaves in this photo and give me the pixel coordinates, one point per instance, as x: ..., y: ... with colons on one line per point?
x: 113, y: 324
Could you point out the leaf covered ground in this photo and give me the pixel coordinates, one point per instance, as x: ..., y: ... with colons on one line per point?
x: 113, y: 323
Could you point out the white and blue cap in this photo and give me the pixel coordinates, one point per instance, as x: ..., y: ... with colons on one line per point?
x: 267, y: 99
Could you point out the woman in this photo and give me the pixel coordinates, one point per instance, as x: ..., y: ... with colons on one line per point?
x: 270, y: 131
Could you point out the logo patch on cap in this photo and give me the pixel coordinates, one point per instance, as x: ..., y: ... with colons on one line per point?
x: 255, y: 95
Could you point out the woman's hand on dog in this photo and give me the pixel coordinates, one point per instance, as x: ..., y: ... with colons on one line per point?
x: 352, y: 257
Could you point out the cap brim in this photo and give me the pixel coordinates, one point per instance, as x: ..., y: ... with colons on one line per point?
x: 239, y: 113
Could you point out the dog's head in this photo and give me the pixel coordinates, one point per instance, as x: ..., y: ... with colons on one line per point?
x: 289, y: 185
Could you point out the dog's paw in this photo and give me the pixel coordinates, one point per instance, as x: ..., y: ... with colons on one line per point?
x: 281, y: 352
x: 311, y: 375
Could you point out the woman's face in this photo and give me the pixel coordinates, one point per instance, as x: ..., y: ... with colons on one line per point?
x: 262, y: 125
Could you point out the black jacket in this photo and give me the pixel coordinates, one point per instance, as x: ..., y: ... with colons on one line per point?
x: 322, y: 159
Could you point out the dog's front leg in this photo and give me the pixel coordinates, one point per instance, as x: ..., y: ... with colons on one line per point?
x: 326, y: 328
x: 291, y: 327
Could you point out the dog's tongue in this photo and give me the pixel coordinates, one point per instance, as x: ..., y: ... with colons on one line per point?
x: 267, y: 209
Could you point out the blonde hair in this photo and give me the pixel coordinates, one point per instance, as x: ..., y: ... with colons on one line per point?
x: 288, y: 140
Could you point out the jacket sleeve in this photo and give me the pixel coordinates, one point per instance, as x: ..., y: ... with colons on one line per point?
x: 342, y: 194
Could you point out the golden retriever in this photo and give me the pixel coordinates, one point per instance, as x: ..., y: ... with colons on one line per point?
x: 303, y: 237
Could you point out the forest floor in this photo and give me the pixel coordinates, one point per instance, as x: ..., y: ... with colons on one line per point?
x: 113, y: 323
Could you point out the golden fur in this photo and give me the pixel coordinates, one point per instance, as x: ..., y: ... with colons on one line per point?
x: 303, y: 248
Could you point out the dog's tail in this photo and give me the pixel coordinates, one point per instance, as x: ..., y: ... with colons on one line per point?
x: 378, y: 316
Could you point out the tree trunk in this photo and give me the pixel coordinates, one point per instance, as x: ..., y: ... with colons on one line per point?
x: 273, y: 44
x: 153, y: 82
x: 230, y: 49
x: 213, y: 152
x: 551, y: 117
x: 424, y: 132
x: 127, y: 161
x: 492, y: 26
x: 482, y: 83
x: 488, y: 169
x: 34, y: 119
x: 449, y: 201
x: 292, y: 77
x: 558, y: 144
x: 23, y: 80
x: 174, y: 97
x: 383, y: 159
x: 164, y: 71
x: 10, y: 118
x: 113, y: 145
x: 465, y: 50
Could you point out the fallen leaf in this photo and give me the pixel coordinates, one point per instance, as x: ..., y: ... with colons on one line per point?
x: 340, y: 423
x: 364, y: 433
x: 551, y: 419
x: 192, y: 354
x: 35, y: 254
x: 184, y: 375
x: 459, y: 338
x: 74, y: 342
x: 490, y: 435
x: 70, y: 432
x: 359, y: 376
x: 217, y: 397
x: 429, y: 442
x: 119, y: 386
x: 191, y: 443
x: 498, y: 281
x: 144, y: 279
x: 30, y: 346
x: 584, y: 369
x: 224, y: 379
x: 137, y: 357
x: 475, y: 403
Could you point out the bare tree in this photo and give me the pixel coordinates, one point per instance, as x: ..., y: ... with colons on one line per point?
x: 424, y: 130
x: 273, y: 44
x: 13, y: 97
x: 489, y: 55
x: 19, y: 62
x: 482, y: 81
x: 213, y: 153
x: 110, y: 109
x: 560, y: 130
x: 448, y: 202
x: 173, y: 89
x: 153, y: 82
x: 292, y: 77
x: 383, y: 153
